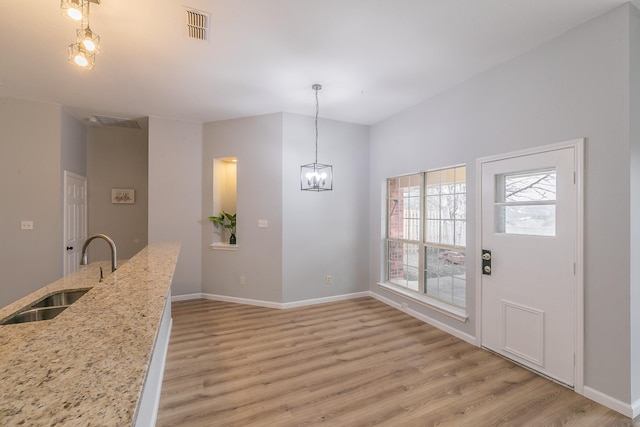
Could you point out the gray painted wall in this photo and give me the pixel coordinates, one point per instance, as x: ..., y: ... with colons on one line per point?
x: 634, y: 138
x: 117, y: 158
x: 324, y: 233
x: 257, y: 143
x: 329, y: 228
x: 175, y: 200
x: 574, y: 86
x: 74, y: 145
x: 34, y: 137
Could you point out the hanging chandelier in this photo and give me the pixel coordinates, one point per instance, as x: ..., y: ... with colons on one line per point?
x: 83, y: 52
x: 316, y: 176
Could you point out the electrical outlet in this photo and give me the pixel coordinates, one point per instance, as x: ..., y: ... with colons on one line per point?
x: 243, y: 280
x: 26, y: 225
x: 328, y: 280
x: 263, y: 223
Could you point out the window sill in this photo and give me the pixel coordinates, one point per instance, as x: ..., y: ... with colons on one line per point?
x: 439, y: 306
x: 223, y: 246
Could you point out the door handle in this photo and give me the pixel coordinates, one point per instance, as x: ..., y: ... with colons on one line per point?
x: 486, y: 262
x: 69, y: 248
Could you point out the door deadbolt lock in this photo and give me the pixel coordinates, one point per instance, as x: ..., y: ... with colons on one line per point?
x: 486, y: 262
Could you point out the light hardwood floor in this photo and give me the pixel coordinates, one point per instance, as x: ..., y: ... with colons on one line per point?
x: 349, y: 363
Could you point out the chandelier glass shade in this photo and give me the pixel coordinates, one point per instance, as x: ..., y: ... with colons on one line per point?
x: 316, y: 176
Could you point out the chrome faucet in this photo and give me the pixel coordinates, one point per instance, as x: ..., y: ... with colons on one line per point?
x: 112, y: 245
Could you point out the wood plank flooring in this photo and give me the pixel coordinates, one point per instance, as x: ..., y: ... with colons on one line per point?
x: 350, y: 363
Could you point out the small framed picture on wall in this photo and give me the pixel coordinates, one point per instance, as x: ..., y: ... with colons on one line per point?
x: 123, y: 195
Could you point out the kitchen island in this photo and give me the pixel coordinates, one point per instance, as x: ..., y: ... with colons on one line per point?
x: 99, y: 362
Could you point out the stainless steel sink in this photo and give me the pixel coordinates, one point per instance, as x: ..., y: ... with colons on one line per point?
x: 60, y: 298
x: 35, y: 314
x: 47, y: 308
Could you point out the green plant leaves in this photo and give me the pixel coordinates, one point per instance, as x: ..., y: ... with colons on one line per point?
x: 226, y: 220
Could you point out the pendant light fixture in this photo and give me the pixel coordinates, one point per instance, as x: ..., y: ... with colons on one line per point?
x: 89, y: 39
x: 80, y: 56
x: 78, y: 10
x: 316, y: 176
x: 82, y: 52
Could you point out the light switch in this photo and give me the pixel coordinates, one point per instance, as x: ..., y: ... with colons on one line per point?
x: 263, y: 223
x: 26, y: 225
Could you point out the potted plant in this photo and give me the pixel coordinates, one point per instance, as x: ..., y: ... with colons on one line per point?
x: 228, y: 221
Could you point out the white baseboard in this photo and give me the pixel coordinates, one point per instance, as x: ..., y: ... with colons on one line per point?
x: 625, y: 409
x: 448, y: 329
x: 270, y: 304
x: 635, y: 409
x: 246, y: 301
x: 186, y: 297
x: 325, y: 299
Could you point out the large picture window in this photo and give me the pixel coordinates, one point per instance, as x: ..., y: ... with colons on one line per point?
x: 426, y: 234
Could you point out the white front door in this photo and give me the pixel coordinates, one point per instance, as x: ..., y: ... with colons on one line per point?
x: 529, y: 208
x: 75, y: 219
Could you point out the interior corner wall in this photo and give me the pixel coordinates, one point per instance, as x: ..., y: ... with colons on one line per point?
x: 74, y: 145
x: 30, y: 184
x: 324, y: 233
x: 175, y: 202
x: 574, y: 86
x: 257, y: 144
x: 117, y: 158
x: 634, y: 142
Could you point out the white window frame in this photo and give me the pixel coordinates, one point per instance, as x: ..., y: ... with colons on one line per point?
x: 420, y: 296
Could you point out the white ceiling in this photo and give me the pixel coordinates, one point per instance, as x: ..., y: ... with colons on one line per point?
x: 374, y: 58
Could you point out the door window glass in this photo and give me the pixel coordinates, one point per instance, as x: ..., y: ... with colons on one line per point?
x: 526, y: 203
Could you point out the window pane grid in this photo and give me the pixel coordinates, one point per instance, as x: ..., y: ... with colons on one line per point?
x: 445, y: 235
x: 445, y: 275
x: 403, y: 259
x: 428, y: 208
x: 403, y: 206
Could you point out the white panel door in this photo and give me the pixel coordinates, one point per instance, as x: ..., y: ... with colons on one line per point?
x: 75, y: 219
x: 529, y: 207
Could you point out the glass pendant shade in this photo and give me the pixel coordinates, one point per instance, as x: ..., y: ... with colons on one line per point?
x: 78, y: 10
x: 89, y: 39
x: 79, y: 56
x: 316, y: 177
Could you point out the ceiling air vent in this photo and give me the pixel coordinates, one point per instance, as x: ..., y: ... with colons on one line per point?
x: 197, y: 24
x: 114, y: 122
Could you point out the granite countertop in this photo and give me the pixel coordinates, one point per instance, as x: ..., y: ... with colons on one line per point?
x: 87, y: 366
